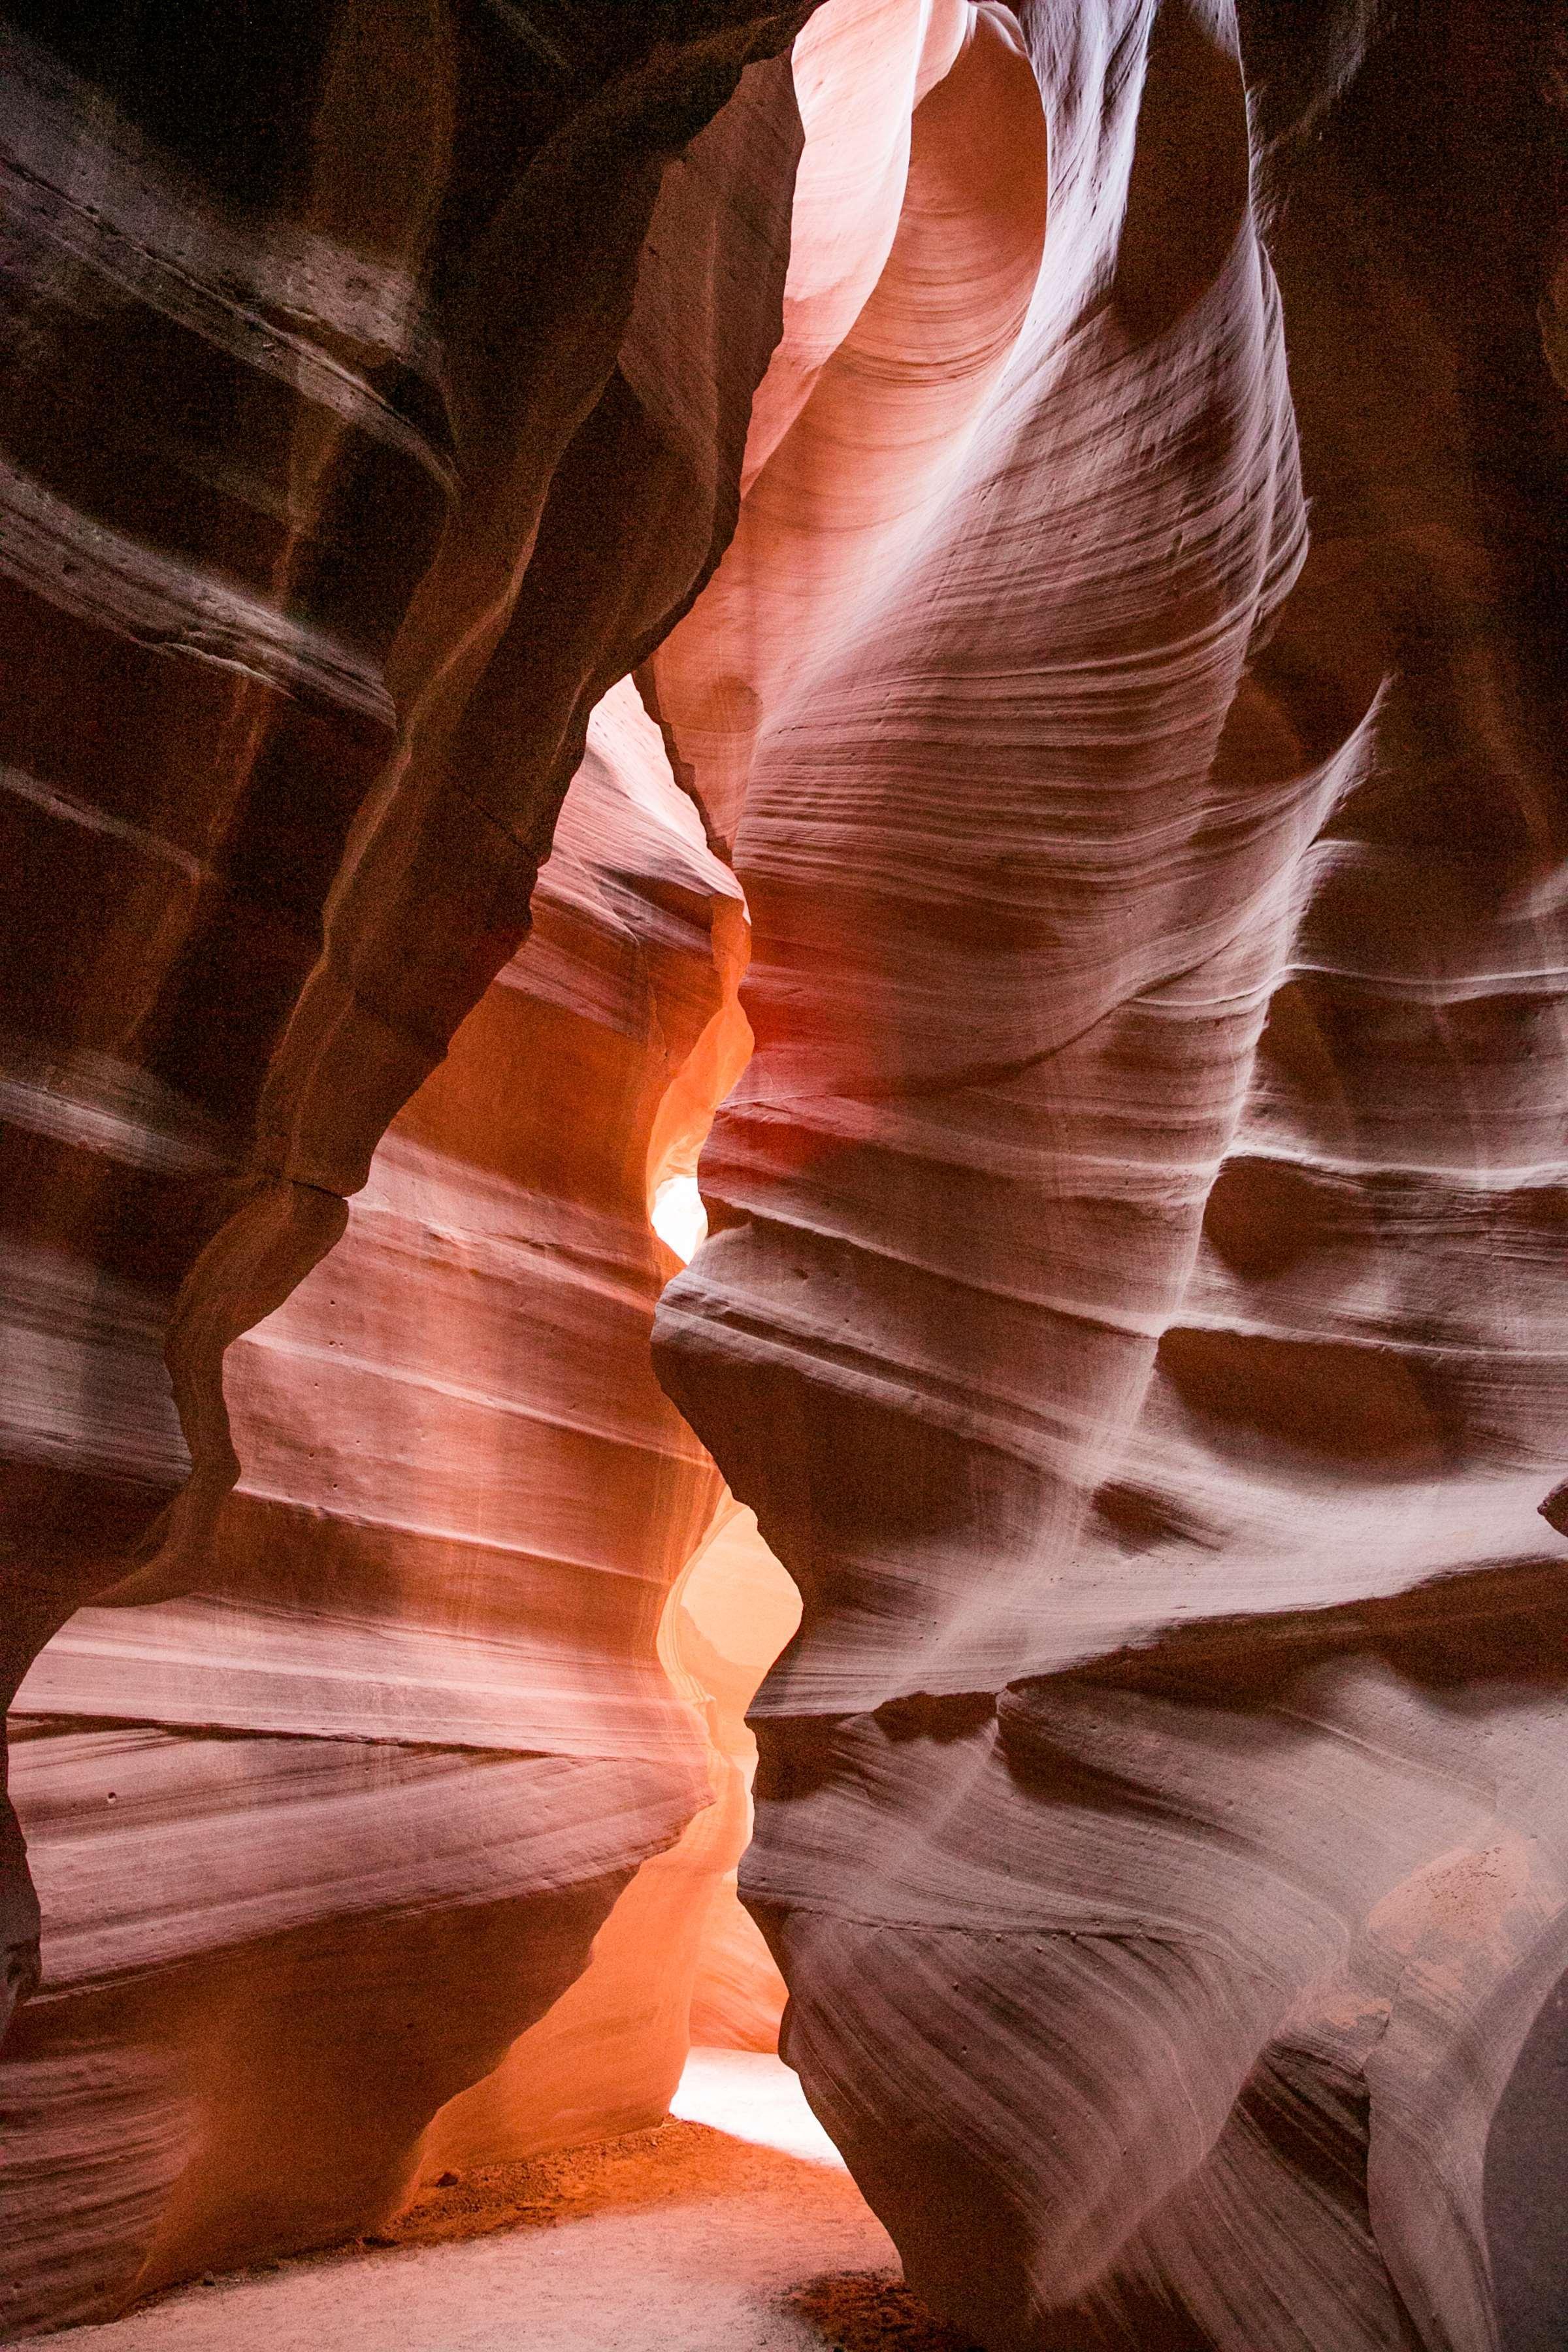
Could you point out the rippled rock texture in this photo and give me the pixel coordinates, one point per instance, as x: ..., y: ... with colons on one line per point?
x: 1098, y: 612
x: 1134, y: 1303
x: 321, y: 1837
x: 375, y: 394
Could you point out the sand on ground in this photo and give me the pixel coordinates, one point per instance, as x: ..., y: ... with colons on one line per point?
x: 733, y: 2228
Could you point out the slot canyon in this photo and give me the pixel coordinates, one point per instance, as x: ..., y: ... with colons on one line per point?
x: 783, y: 1159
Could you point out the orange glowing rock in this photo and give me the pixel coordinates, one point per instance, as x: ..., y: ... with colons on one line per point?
x: 1096, y: 645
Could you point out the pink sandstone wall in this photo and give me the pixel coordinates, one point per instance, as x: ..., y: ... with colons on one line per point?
x: 1092, y: 581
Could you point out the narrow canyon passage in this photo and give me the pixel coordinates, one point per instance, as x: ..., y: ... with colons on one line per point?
x: 738, y: 2233
x: 783, y: 1197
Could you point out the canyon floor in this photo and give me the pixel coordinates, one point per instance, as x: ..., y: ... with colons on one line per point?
x: 731, y: 2228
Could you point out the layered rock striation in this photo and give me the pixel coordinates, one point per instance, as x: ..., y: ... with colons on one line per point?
x: 1101, y: 605
x: 1131, y: 1306
x: 321, y: 1836
x: 375, y: 395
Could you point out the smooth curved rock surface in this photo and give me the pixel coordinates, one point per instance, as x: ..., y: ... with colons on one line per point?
x: 322, y: 1841
x: 1132, y: 1305
x: 377, y: 394
x: 1129, y: 703
x: 735, y: 1610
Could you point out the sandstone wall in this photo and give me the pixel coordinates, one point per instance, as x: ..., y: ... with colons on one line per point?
x: 375, y: 394
x: 1130, y: 706
x: 320, y: 1835
x: 1132, y: 1308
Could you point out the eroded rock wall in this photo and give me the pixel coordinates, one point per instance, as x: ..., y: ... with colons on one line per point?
x: 321, y: 1838
x: 1134, y: 1302
x: 375, y: 394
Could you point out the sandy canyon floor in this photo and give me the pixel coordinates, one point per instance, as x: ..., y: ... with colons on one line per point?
x: 733, y: 2228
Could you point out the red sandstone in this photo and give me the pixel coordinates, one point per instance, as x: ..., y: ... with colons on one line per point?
x: 969, y: 595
